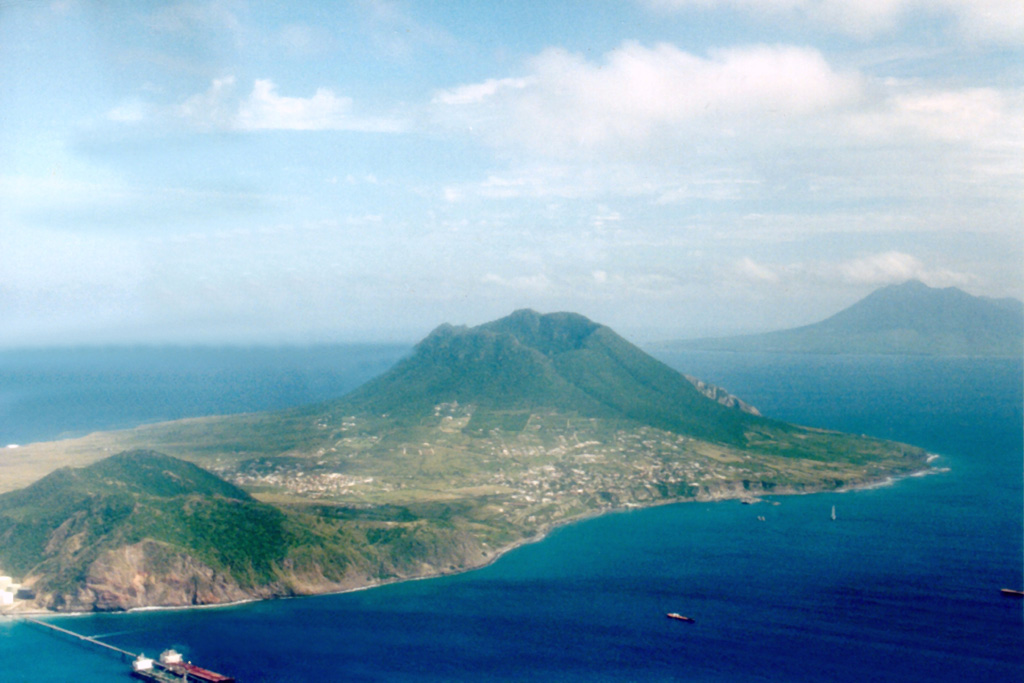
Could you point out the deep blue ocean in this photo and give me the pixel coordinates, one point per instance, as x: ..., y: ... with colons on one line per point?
x: 902, y: 586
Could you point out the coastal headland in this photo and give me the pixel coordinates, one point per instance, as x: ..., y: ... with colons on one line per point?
x: 483, y: 439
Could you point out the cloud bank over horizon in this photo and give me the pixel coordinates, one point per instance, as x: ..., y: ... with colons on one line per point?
x: 214, y: 172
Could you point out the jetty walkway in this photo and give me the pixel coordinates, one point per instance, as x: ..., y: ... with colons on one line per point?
x: 168, y: 669
x: 80, y: 637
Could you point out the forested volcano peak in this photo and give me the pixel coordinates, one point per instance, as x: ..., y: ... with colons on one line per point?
x: 562, y: 361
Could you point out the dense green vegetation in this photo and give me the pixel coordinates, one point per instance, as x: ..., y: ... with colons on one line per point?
x: 61, y: 526
x: 64, y: 522
x: 529, y: 361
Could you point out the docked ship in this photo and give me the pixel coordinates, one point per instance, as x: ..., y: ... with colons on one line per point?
x: 146, y: 669
x: 172, y: 668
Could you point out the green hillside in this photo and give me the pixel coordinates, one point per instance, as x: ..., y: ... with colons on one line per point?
x: 127, y: 498
x: 77, y: 533
x: 562, y: 361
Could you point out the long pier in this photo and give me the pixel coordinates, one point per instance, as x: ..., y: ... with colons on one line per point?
x: 160, y: 671
x: 85, y: 639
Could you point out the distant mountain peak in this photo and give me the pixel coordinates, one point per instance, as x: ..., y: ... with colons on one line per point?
x: 911, y: 285
x: 917, y: 288
x: 906, y: 318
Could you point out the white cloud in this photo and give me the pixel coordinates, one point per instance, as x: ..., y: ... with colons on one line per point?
x: 894, y: 267
x: 478, y: 92
x: 1000, y: 21
x: 867, y: 271
x: 538, y: 283
x: 641, y: 100
x: 749, y: 269
x: 978, y: 116
x: 213, y: 109
x: 604, y: 217
x: 941, y: 143
x: 757, y: 122
x: 890, y: 267
x: 563, y: 180
x: 639, y: 95
x: 265, y: 109
x: 221, y: 108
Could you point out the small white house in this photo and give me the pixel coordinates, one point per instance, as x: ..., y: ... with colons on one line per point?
x: 6, y: 598
x: 5, y: 582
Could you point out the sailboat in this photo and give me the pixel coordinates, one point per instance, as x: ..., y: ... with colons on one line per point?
x: 833, y: 513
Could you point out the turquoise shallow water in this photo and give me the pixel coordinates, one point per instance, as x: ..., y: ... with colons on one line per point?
x: 902, y: 586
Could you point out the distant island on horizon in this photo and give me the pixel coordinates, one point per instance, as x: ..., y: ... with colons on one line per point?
x: 482, y: 439
x: 905, y: 319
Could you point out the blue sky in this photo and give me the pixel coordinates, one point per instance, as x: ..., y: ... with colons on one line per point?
x: 246, y: 172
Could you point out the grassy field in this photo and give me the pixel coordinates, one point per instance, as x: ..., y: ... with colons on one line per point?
x: 317, y: 456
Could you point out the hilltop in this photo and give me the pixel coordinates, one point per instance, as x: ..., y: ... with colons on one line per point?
x: 562, y: 361
x: 910, y: 318
x: 141, y: 528
x: 482, y: 438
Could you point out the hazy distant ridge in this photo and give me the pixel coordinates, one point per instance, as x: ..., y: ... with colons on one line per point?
x: 911, y: 318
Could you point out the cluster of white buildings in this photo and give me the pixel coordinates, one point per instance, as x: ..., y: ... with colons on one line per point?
x: 8, y: 589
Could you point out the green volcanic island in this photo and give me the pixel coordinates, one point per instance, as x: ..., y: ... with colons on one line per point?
x: 907, y: 319
x: 480, y: 440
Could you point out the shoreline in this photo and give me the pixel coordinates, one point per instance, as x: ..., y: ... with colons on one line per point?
x: 745, y: 498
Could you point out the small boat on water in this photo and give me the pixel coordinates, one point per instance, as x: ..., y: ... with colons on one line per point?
x: 1012, y: 593
x: 679, y: 617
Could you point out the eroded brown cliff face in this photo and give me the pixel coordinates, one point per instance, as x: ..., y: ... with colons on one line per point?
x: 142, y: 575
x: 154, y: 574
